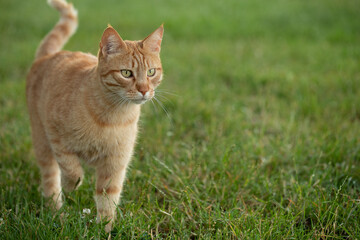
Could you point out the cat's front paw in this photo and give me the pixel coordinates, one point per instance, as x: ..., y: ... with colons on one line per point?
x: 55, y: 202
x: 105, y: 216
x: 70, y: 184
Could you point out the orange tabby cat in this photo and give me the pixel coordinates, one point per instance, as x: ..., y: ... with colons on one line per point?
x: 87, y: 107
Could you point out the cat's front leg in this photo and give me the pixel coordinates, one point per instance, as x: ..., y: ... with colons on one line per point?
x: 71, y: 171
x: 109, y: 184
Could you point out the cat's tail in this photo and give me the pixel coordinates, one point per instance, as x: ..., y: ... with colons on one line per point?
x: 63, y: 30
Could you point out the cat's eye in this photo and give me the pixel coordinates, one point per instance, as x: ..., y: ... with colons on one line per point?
x: 151, y: 72
x: 126, y: 73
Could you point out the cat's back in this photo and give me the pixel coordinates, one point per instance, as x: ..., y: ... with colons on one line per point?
x: 59, y: 70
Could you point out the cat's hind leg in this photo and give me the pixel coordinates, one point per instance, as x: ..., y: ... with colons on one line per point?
x: 49, y: 168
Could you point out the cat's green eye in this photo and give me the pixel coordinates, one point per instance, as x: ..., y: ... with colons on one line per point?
x: 126, y: 73
x: 151, y: 72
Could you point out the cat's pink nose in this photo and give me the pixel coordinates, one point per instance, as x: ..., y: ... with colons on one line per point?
x: 142, y: 89
x: 143, y: 92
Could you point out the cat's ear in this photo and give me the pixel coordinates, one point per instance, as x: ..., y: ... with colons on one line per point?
x: 153, y: 41
x: 111, y: 42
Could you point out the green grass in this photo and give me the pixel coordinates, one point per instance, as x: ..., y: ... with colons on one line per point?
x: 263, y: 135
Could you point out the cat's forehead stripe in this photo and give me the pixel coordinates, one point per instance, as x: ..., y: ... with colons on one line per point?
x: 132, y: 63
x: 135, y: 58
x: 147, y: 61
x: 140, y: 59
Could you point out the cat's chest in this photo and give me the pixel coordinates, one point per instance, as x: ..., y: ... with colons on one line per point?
x: 104, y: 143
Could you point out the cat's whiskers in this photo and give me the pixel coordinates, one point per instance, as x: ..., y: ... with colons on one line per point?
x: 116, y: 102
x: 164, y: 108
x: 166, y: 92
x: 162, y: 93
x: 152, y: 101
x: 163, y: 97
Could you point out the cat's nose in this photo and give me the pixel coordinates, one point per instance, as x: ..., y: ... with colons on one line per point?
x: 143, y: 92
x: 143, y: 89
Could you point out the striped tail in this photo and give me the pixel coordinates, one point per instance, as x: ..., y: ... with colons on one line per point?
x: 63, y: 30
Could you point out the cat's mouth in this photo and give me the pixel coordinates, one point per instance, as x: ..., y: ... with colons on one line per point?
x: 139, y: 101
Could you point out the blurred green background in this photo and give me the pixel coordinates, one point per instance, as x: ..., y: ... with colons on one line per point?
x: 262, y: 133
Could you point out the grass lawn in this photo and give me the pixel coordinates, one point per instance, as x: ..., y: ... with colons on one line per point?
x: 261, y: 139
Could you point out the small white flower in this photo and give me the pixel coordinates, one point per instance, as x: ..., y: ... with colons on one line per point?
x: 86, y: 211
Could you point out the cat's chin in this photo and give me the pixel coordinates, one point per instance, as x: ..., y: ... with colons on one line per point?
x: 139, y: 101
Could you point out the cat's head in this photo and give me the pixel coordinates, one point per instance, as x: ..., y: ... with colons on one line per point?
x: 130, y: 69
